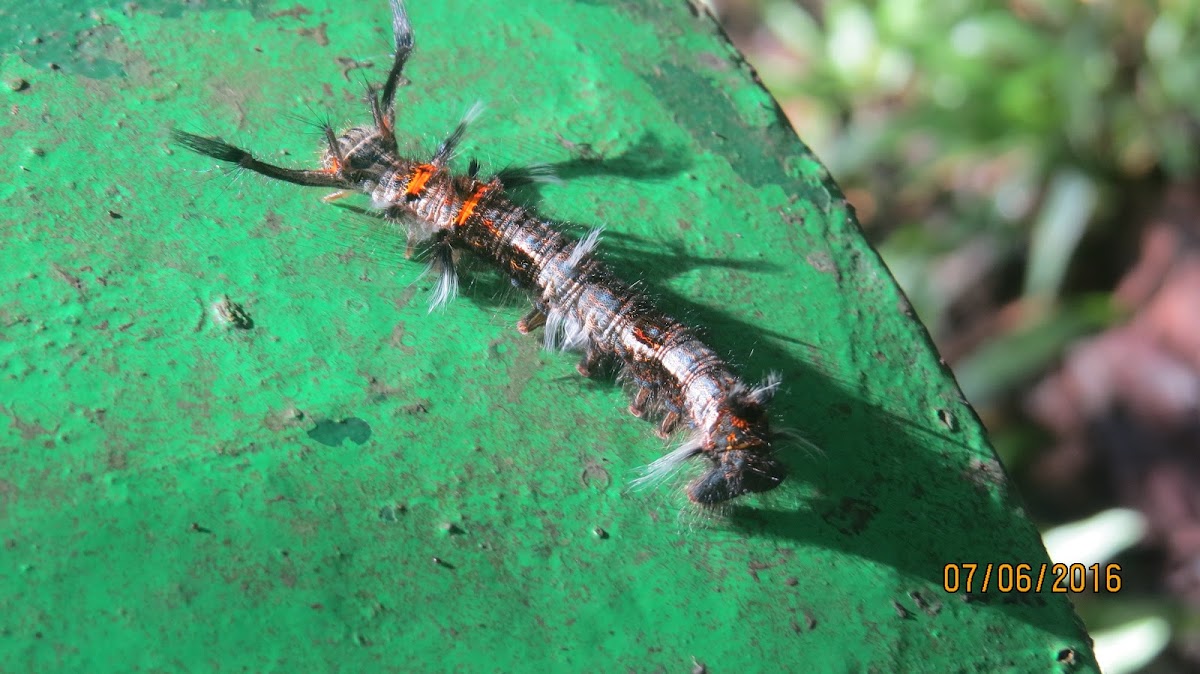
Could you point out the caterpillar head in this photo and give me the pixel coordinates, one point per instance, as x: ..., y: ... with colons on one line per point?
x: 740, y: 448
x: 736, y: 474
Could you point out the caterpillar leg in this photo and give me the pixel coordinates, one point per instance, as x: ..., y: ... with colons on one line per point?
x: 587, y: 365
x: 410, y: 247
x: 638, y: 407
x: 533, y: 320
x: 668, y: 425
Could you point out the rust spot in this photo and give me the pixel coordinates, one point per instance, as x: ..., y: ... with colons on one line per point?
x: 296, y: 12
x: 318, y: 34
x: 28, y: 430
x: 349, y: 64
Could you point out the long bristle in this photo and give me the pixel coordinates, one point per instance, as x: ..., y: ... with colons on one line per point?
x: 209, y: 147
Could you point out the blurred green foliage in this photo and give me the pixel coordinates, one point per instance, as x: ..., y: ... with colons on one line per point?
x: 1106, y: 85
x: 983, y: 142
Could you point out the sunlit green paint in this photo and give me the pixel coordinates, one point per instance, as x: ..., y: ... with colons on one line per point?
x: 177, y: 495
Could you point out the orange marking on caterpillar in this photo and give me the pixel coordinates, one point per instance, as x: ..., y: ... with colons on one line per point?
x: 643, y: 337
x: 421, y: 175
x: 468, y: 207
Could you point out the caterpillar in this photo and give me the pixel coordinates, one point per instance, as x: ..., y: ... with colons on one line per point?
x: 578, y: 302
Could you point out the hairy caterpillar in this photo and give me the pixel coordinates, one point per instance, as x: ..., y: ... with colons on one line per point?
x: 580, y: 303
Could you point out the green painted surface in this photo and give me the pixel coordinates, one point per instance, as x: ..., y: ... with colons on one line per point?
x: 178, y: 495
